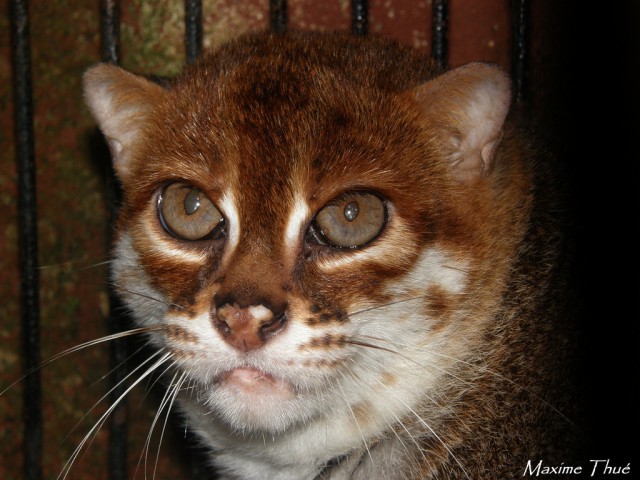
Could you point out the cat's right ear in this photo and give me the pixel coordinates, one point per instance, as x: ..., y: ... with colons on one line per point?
x: 121, y: 102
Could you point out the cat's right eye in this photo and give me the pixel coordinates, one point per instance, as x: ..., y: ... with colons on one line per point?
x: 187, y: 213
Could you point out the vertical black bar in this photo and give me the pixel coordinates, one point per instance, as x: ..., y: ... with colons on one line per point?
x: 193, y: 29
x: 439, y: 30
x: 117, y: 454
x: 520, y: 65
x: 278, y: 15
x: 110, y: 30
x: 359, y: 17
x: 27, y: 219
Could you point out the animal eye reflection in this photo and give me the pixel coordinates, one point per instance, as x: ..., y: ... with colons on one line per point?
x: 185, y: 212
x: 351, y: 221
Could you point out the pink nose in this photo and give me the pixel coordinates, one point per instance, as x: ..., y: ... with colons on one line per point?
x: 247, y: 328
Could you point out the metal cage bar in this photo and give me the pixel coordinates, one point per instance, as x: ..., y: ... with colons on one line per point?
x: 278, y: 16
x: 27, y: 224
x: 519, y: 66
x: 118, y: 431
x: 193, y: 29
x: 439, y: 30
x: 359, y: 17
x: 110, y: 31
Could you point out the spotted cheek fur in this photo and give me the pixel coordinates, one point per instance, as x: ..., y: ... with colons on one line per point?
x: 352, y: 284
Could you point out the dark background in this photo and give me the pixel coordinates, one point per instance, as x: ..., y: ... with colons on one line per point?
x: 597, y: 71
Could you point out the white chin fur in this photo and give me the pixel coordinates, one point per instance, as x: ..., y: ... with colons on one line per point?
x: 258, y: 408
x: 246, y: 414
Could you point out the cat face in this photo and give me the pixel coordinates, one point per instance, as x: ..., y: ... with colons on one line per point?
x: 309, y: 237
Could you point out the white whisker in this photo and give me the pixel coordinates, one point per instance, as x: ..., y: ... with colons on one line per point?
x: 122, y: 288
x: 385, y: 305
x: 397, y: 302
x: 158, y: 412
x: 406, y: 449
x: 424, y: 423
x: 147, y: 442
x: 482, y: 369
x: 115, y: 387
x: 415, y: 442
x: 53, y: 266
x: 174, y: 395
x: 82, y: 346
x: 425, y: 394
x: 91, y: 433
x: 405, y: 357
x: 120, y: 365
x: 149, y: 387
x: 353, y: 415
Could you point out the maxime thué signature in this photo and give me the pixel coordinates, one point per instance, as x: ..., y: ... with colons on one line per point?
x: 595, y: 467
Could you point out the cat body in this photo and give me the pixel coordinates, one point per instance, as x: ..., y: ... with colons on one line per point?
x: 344, y: 256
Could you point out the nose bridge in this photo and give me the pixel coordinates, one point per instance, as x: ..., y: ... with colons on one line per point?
x: 250, y: 306
x: 254, y: 276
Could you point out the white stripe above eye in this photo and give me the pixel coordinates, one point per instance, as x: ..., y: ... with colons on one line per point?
x: 227, y: 206
x: 297, y: 219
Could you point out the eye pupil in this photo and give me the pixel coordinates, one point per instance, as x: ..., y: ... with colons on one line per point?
x: 351, y: 211
x: 191, y: 202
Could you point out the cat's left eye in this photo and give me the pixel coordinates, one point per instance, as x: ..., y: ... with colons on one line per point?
x: 351, y: 221
x: 187, y: 213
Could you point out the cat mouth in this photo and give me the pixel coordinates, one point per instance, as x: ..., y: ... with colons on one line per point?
x: 253, y: 382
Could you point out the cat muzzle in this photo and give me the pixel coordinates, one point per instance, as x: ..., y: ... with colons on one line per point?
x: 247, y: 328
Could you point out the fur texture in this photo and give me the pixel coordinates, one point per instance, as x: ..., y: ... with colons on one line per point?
x: 429, y: 351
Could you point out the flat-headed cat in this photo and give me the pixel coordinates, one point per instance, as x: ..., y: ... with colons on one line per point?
x: 346, y: 258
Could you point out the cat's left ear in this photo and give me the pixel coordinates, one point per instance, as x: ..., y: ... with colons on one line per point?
x: 467, y: 106
x: 121, y: 102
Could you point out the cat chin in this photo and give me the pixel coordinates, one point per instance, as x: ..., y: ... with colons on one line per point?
x: 251, y: 401
x: 254, y: 385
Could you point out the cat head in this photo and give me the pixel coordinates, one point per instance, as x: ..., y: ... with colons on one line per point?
x: 311, y: 220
